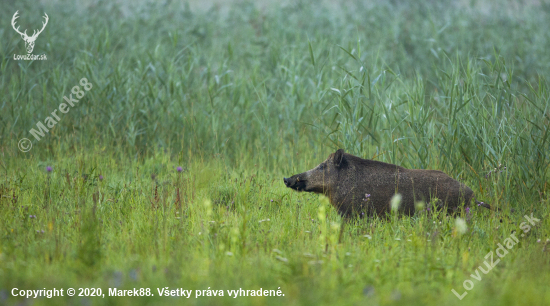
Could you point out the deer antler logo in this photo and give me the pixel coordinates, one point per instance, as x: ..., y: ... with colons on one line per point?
x: 29, y: 40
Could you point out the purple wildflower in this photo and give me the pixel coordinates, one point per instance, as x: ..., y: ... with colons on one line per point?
x: 467, y: 210
x: 180, y: 169
x: 101, y: 177
x: 32, y: 216
x: 49, y: 169
x: 538, y: 240
x: 271, y: 200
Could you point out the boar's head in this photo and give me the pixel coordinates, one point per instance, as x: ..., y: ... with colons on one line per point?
x: 321, y: 178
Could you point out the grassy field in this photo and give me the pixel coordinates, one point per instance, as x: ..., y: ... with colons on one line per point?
x: 167, y: 172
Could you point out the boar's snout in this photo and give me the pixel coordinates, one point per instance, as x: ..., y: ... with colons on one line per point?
x: 295, y: 182
x: 287, y: 181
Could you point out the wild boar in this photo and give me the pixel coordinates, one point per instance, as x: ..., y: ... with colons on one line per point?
x: 361, y: 186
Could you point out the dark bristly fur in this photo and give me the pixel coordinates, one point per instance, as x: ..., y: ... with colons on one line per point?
x: 345, y: 179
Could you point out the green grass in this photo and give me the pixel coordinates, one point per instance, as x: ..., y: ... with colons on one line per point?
x: 240, y: 96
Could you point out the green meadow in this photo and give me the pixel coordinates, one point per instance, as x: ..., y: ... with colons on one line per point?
x: 164, y: 172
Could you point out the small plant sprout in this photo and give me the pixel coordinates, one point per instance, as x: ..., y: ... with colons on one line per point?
x: 419, y: 205
x: 460, y: 226
x: 321, y: 213
x: 395, y: 202
x: 208, y: 207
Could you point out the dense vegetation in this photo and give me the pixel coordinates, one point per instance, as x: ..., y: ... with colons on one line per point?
x: 168, y: 171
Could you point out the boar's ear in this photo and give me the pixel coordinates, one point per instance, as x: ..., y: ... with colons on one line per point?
x: 339, y: 157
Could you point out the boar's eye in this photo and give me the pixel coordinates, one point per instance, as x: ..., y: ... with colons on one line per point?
x: 322, y: 166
